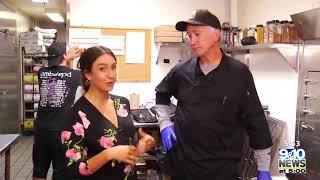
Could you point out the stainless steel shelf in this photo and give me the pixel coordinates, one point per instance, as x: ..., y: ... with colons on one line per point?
x: 31, y: 93
x: 138, y: 125
x: 28, y: 83
x: 260, y: 46
x: 29, y: 110
x: 289, y: 52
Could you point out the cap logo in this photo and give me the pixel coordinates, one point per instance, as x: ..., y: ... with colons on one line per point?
x: 193, y: 13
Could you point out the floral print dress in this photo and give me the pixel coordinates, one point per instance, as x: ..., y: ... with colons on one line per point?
x: 87, y: 132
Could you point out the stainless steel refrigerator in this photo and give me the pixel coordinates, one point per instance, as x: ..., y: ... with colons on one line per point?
x: 10, y: 76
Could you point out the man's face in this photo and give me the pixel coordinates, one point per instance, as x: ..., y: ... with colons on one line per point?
x: 202, y: 38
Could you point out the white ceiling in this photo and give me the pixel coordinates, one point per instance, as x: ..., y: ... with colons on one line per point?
x: 37, y: 10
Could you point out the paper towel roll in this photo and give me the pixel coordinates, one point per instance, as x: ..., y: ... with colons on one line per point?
x: 36, y: 97
x: 36, y: 88
x: 134, y: 101
x: 28, y: 97
x: 28, y: 88
x: 35, y: 106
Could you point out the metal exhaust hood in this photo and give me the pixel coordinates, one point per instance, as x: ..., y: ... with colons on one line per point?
x: 307, y: 24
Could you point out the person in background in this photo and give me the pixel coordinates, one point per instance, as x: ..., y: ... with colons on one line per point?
x: 216, y: 103
x: 57, y: 85
x: 99, y: 135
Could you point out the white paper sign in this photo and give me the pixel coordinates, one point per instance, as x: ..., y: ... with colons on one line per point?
x: 84, y: 38
x: 115, y: 43
x: 135, y: 47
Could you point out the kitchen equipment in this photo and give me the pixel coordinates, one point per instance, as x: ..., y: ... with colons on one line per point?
x: 134, y: 101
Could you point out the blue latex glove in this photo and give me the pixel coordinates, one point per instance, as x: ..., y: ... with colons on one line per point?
x: 167, y: 136
x: 264, y: 175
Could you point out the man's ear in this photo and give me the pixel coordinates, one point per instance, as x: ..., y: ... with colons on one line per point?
x: 217, y: 34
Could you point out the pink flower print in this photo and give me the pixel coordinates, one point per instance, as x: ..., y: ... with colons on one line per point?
x: 107, y: 142
x: 122, y: 112
x: 65, y: 135
x: 73, y: 154
x: 84, y: 119
x: 127, y: 169
x: 83, y: 169
x: 78, y: 129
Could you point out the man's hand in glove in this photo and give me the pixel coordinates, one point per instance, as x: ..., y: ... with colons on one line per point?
x: 168, y: 136
x: 264, y: 175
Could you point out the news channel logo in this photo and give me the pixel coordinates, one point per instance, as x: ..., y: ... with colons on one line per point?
x: 292, y: 160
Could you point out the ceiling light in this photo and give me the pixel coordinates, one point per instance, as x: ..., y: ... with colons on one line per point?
x: 7, y: 15
x: 54, y: 15
x: 40, y: 1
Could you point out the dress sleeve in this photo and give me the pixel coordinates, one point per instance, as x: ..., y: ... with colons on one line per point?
x: 73, y: 139
x: 253, y: 117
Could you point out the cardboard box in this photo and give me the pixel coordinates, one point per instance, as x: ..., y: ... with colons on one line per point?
x: 31, y: 35
x: 168, y: 39
x: 167, y: 33
x: 35, y: 49
x: 31, y: 42
x: 165, y: 28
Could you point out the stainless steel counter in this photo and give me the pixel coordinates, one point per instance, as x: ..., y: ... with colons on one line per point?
x: 147, y: 125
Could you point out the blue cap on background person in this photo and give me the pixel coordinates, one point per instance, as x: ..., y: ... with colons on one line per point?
x: 200, y: 17
x: 55, y: 53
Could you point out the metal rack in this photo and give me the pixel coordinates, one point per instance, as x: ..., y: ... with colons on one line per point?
x: 248, y: 164
x: 29, y: 107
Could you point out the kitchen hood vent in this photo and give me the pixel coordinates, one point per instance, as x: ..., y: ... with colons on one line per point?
x: 307, y: 24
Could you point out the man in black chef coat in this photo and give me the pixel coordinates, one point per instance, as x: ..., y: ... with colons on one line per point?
x: 217, y: 103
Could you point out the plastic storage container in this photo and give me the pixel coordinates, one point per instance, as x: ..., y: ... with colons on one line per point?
x: 275, y: 32
x: 285, y: 32
x: 260, y: 33
x: 266, y: 32
x: 294, y: 39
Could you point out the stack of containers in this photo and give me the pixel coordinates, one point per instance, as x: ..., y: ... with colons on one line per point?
x: 32, y: 42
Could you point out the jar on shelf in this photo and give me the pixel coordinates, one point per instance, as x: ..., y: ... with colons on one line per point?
x: 259, y: 35
x: 231, y: 36
x: 294, y: 39
x: 235, y: 36
x: 285, y: 32
x: 275, y: 32
x: 266, y: 32
x: 244, y: 32
x: 238, y: 38
x: 252, y: 32
x: 225, y: 36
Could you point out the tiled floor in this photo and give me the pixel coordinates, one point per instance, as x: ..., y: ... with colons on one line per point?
x: 21, y: 160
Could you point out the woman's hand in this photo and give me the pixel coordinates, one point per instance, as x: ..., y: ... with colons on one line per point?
x: 146, y: 142
x: 124, y: 153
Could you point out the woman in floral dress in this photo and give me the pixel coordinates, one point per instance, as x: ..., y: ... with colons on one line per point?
x: 99, y: 132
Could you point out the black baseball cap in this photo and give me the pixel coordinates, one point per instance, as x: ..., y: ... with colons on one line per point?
x: 55, y: 53
x: 200, y: 17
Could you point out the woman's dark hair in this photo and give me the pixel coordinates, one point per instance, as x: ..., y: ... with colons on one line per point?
x: 88, y: 57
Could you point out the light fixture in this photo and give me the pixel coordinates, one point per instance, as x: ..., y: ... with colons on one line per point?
x: 8, y: 15
x: 40, y: 1
x: 54, y: 15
